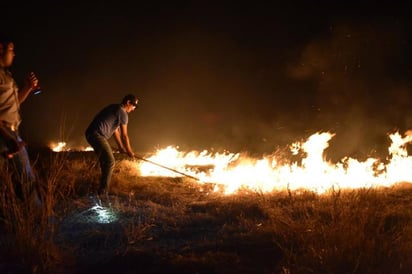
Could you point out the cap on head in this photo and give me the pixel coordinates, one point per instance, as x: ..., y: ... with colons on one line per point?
x: 131, y: 98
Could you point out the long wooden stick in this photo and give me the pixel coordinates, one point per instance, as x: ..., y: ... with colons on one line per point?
x: 168, y: 168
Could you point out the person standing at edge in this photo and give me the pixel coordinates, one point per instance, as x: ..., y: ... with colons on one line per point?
x: 14, y: 155
x: 111, y: 120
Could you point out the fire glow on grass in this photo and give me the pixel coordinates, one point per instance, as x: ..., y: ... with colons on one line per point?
x: 234, y: 171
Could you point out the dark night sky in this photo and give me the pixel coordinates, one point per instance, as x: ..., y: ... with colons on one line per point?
x: 234, y: 75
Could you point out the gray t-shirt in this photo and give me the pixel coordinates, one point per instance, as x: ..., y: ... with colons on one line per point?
x: 9, y: 99
x: 108, y: 120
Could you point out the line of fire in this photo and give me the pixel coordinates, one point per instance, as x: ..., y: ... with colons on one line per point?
x: 309, y: 170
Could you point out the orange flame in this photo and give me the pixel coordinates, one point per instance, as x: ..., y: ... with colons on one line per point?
x: 58, y: 147
x: 62, y: 146
x: 233, y: 172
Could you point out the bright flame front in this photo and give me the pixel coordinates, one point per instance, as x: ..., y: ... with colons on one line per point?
x: 232, y: 172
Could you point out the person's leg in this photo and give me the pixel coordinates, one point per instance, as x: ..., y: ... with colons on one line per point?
x: 24, y: 162
x: 23, y: 177
x: 106, y: 159
x: 107, y: 163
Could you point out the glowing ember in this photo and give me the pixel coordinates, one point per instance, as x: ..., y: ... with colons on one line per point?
x: 236, y: 171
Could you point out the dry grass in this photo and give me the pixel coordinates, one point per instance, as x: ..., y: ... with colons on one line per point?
x: 175, y: 225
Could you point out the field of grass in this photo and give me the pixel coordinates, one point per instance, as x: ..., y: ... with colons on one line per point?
x: 176, y: 225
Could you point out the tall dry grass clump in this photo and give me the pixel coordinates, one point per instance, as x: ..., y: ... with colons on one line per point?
x: 28, y: 220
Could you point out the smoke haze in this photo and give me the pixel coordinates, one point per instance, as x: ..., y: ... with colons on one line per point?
x: 222, y: 76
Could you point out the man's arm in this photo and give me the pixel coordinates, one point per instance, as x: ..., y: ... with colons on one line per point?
x: 118, y: 140
x: 125, y: 140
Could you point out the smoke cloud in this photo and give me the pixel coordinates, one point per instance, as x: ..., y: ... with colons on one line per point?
x: 250, y: 78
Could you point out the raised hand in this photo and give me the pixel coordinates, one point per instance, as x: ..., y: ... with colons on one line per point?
x: 32, y: 82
